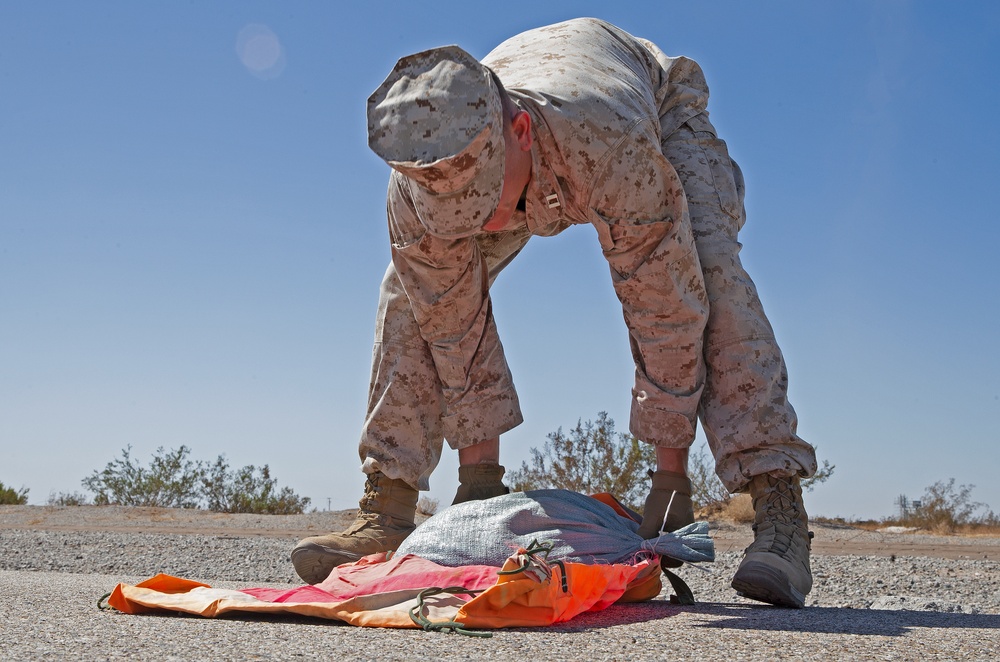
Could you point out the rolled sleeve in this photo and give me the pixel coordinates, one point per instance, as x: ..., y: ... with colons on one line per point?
x: 643, y: 224
x: 447, y: 284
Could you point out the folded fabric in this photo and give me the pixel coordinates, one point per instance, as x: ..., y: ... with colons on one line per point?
x: 580, y: 528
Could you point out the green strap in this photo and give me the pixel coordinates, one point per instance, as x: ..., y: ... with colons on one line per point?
x: 417, y: 613
x: 683, y: 594
x: 102, y: 604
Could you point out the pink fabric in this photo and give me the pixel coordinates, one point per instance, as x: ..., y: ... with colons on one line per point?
x: 373, y: 574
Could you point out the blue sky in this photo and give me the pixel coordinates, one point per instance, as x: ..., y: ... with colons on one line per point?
x: 191, y: 241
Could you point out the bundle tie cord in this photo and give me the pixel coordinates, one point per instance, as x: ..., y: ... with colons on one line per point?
x: 102, y: 605
x: 533, y: 550
x: 417, y: 613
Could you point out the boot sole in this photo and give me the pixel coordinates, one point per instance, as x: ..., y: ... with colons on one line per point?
x: 760, y: 582
x: 314, y: 563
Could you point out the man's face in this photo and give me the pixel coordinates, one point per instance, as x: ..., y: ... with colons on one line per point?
x: 516, y: 172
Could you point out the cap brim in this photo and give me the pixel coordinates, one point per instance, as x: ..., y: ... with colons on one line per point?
x: 464, y: 212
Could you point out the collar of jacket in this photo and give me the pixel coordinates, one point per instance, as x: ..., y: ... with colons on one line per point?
x: 547, y: 204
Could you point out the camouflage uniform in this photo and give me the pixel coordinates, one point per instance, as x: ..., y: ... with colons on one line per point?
x: 622, y: 141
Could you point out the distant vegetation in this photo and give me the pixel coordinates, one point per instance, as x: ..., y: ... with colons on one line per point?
x: 707, y: 489
x: 11, y: 497
x: 946, y: 508
x: 593, y: 457
x: 172, y: 480
x: 427, y: 506
x: 590, y: 458
x: 68, y: 499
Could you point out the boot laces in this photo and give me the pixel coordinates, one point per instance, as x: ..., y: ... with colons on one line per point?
x: 371, y: 493
x: 367, y: 517
x: 778, y: 508
x: 370, y: 513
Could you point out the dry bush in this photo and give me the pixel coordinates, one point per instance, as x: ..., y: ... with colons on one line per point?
x: 68, y: 499
x: 593, y: 457
x: 946, y: 508
x: 427, y: 506
x: 708, y: 492
x: 739, y: 509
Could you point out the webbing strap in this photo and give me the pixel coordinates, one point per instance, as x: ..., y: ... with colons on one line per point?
x: 449, y: 626
x: 682, y: 592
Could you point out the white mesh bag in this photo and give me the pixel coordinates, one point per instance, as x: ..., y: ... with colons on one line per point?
x: 580, y: 529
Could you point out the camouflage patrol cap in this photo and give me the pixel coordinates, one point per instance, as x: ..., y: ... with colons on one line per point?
x: 437, y: 119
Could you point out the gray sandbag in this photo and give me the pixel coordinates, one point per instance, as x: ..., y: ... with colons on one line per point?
x: 581, y: 529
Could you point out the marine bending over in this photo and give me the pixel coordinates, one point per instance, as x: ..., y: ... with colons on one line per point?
x: 574, y: 123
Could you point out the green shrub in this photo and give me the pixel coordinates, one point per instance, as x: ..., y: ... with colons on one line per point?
x: 592, y: 458
x: 11, y: 497
x: 170, y: 481
x: 174, y: 481
x: 248, y: 490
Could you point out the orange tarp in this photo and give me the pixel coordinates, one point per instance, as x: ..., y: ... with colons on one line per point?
x: 529, y: 597
x: 381, y: 591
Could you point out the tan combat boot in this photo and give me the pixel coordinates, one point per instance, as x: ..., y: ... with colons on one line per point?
x: 385, y: 518
x: 668, y: 508
x: 775, y: 567
x: 480, y: 481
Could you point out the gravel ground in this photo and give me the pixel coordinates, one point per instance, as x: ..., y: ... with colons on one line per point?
x: 854, y: 582
x: 56, y: 563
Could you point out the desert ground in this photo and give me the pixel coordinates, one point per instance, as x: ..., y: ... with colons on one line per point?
x: 877, y: 595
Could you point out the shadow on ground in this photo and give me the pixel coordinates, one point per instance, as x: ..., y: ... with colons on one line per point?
x: 742, y: 616
x: 715, y: 616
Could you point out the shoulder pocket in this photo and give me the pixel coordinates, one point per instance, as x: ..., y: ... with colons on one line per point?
x: 708, y: 173
x: 627, y: 244
x: 405, y: 227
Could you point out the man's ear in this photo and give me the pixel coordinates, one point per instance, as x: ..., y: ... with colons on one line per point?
x: 521, y: 125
